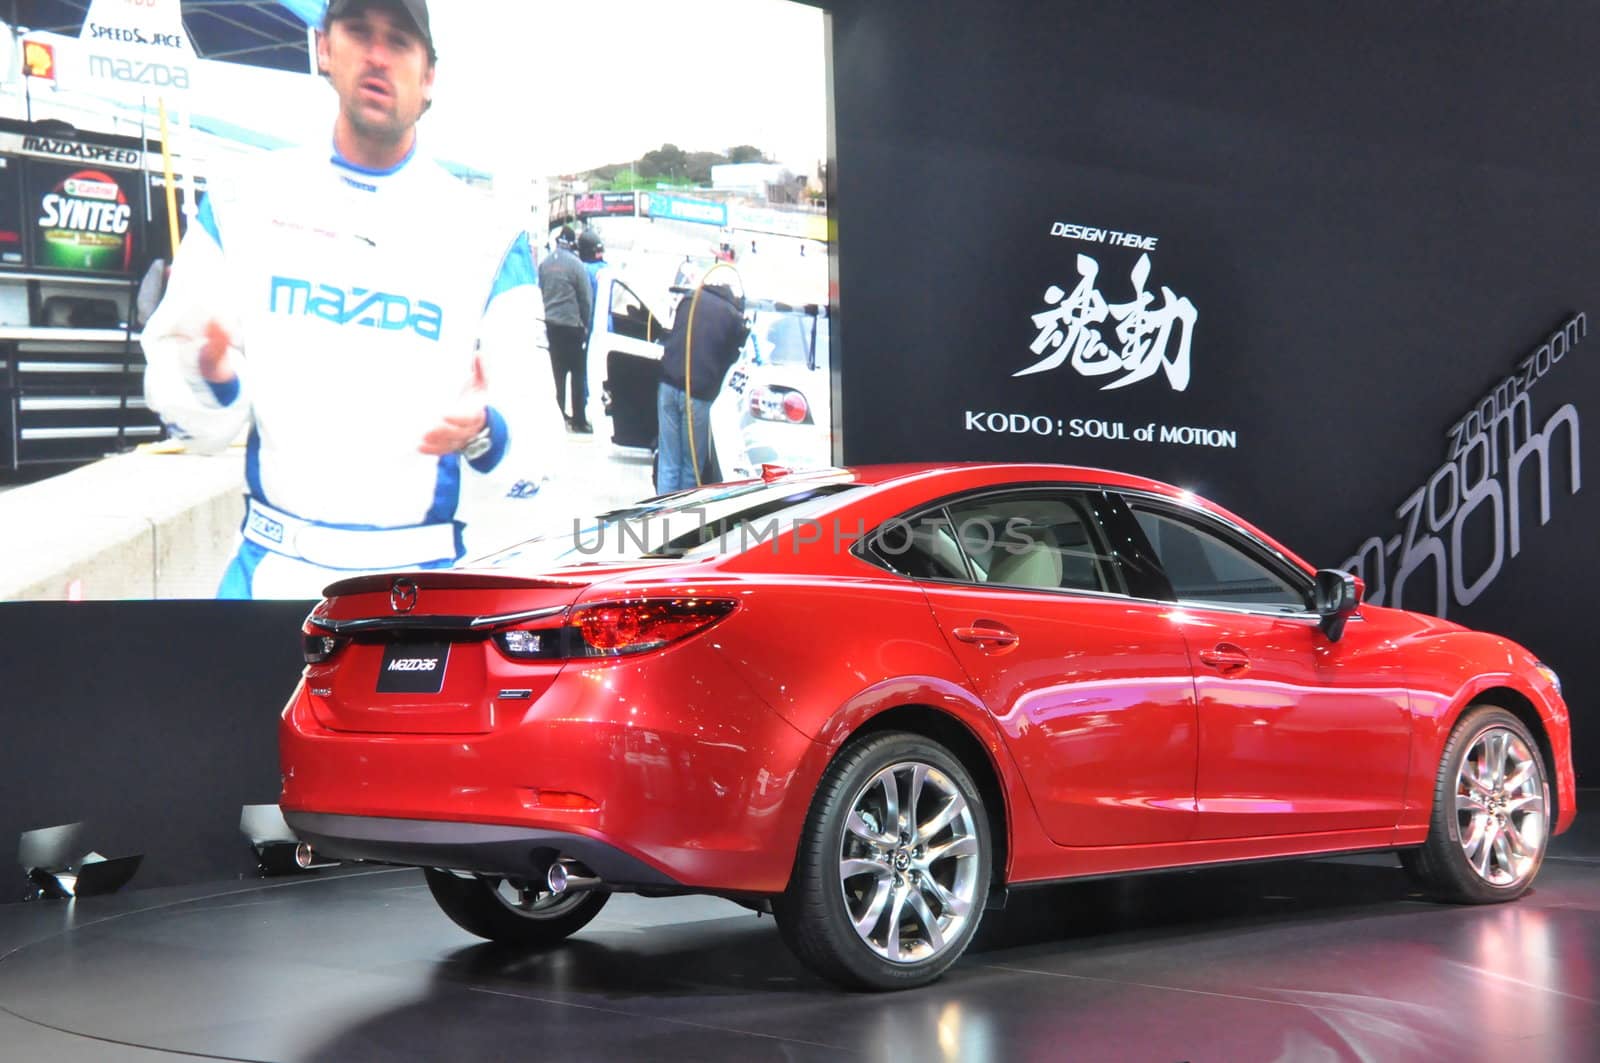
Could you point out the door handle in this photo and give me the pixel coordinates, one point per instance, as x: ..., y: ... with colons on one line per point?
x: 988, y: 636
x: 1226, y: 658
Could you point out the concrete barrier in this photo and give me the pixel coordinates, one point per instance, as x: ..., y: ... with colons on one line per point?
x: 139, y: 525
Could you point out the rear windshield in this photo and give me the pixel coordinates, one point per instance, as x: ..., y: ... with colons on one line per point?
x: 789, y: 338
x: 725, y: 518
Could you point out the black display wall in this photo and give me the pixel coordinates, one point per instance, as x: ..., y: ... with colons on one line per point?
x: 1365, y: 222
x: 151, y: 722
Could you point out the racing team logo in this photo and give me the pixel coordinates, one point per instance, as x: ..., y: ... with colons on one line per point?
x: 38, y: 60
x: 85, y: 223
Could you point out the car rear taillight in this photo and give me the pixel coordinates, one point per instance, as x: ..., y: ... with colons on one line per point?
x: 319, y: 648
x: 773, y: 403
x: 638, y: 627
x: 795, y: 408
x: 523, y: 645
x: 616, y: 629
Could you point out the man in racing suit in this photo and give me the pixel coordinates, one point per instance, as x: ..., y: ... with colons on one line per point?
x: 362, y: 313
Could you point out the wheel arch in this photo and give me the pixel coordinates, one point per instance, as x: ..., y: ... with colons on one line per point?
x: 966, y: 746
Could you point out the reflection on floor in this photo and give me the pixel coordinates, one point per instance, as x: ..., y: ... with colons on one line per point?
x: 1331, y: 959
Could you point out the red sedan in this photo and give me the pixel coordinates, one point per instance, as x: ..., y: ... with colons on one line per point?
x: 872, y: 701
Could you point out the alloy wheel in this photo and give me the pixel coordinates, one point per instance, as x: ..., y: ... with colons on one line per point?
x: 909, y: 862
x: 1500, y: 807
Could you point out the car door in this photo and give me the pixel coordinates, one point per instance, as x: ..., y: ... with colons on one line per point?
x: 1298, y: 734
x: 1090, y: 685
x: 625, y: 357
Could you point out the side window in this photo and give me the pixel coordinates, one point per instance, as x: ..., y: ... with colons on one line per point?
x: 923, y: 548
x: 1046, y: 539
x: 629, y: 317
x: 1204, y: 565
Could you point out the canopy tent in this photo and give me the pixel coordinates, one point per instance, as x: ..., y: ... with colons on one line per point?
x: 268, y: 33
x: 261, y: 33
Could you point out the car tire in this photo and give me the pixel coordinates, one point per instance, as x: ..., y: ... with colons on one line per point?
x: 1491, y: 813
x: 883, y: 897
x: 493, y: 908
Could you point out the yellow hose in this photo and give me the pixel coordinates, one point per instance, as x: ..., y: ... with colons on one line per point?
x: 166, y: 173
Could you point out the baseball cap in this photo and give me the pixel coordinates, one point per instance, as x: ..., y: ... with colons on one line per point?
x: 415, y: 10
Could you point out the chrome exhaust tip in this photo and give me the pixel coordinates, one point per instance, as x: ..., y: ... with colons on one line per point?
x: 303, y: 856
x: 569, y: 876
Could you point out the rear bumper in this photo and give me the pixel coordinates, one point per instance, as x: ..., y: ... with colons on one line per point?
x: 677, y: 769
x: 485, y: 848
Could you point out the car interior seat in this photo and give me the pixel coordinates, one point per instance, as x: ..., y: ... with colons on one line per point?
x: 1035, y: 563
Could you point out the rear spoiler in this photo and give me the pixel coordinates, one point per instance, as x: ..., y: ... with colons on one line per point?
x: 449, y: 579
x: 458, y: 624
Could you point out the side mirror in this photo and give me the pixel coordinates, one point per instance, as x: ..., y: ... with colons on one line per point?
x: 1338, y: 594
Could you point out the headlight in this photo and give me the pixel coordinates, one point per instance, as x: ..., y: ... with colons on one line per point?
x: 1550, y: 674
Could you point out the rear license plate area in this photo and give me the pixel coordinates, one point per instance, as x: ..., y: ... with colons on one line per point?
x: 413, y: 667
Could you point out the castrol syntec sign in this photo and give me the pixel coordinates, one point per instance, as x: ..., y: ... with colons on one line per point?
x: 85, y: 222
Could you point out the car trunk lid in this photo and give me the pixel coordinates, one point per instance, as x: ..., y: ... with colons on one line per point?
x: 416, y: 653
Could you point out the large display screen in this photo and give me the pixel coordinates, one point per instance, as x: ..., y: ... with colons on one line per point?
x: 666, y: 152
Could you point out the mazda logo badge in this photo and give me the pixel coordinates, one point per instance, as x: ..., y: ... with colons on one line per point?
x: 403, y: 596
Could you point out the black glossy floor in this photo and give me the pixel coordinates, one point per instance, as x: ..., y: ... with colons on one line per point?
x: 1323, y: 960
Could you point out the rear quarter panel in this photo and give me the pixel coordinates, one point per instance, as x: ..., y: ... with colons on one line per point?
x: 829, y: 654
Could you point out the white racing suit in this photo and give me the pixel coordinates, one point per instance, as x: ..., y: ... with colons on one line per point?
x: 356, y: 302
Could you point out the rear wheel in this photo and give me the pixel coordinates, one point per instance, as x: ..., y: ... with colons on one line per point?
x: 1491, y: 808
x: 510, y: 911
x: 893, y: 869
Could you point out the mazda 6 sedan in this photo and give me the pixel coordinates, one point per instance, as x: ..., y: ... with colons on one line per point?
x: 872, y: 701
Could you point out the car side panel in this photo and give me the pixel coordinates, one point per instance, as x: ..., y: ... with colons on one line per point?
x: 1097, y: 703
x: 831, y: 656
x: 1308, y: 736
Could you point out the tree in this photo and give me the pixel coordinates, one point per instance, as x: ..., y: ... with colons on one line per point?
x: 668, y: 160
x: 741, y: 153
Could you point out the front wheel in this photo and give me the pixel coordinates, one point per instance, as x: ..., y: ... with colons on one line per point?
x: 511, y: 912
x: 893, y: 869
x: 1491, y: 809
